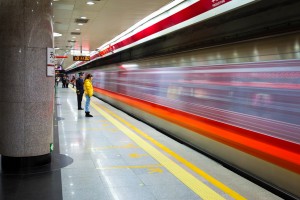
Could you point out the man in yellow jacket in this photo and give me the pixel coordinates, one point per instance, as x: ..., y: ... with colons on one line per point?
x: 88, y: 91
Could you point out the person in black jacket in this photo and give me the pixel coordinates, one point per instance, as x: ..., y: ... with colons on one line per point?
x: 64, y: 81
x: 79, y: 90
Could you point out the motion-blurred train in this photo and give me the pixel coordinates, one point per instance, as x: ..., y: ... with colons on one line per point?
x: 239, y: 103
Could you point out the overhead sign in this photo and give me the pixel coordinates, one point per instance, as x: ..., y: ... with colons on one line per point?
x: 81, y: 58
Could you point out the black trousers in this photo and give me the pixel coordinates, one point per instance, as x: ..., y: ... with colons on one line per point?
x: 79, y: 99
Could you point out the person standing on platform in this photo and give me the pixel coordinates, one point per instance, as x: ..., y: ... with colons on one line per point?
x: 88, y: 90
x: 57, y: 80
x: 73, y: 81
x: 67, y: 81
x: 63, y: 81
x: 79, y: 90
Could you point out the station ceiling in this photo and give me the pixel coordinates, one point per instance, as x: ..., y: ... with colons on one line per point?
x: 105, y: 19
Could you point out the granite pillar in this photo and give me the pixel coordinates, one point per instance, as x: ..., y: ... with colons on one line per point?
x: 26, y: 93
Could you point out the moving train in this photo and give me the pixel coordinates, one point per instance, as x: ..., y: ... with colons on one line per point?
x: 239, y: 102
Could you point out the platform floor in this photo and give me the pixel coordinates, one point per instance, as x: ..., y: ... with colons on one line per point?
x: 116, y: 157
x: 129, y: 160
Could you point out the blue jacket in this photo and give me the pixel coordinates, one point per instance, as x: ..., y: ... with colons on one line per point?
x: 79, y: 85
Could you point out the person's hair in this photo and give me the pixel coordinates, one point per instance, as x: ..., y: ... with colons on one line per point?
x: 88, y: 76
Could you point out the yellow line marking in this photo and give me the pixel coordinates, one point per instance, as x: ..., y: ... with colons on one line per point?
x: 137, y: 155
x: 131, y: 166
x: 155, y: 170
x: 190, y: 165
x: 189, y: 180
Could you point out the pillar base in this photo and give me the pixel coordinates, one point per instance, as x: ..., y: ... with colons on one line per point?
x: 24, y: 163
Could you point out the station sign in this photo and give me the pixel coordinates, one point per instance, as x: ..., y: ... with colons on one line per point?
x: 50, y: 57
x: 81, y: 58
x: 50, y: 62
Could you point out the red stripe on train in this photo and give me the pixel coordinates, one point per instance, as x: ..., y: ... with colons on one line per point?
x: 274, y: 150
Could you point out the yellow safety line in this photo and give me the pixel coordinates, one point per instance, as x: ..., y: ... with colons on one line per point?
x: 200, y: 172
x: 189, y: 180
x: 190, y: 165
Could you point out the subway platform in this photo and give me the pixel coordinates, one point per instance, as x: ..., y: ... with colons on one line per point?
x: 117, y: 157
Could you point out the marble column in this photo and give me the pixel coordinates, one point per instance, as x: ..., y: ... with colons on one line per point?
x: 26, y: 93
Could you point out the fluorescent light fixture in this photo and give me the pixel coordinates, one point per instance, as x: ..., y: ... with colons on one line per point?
x: 79, y: 52
x: 73, y: 37
x: 56, y: 34
x: 77, y: 29
x: 90, y: 3
x: 56, y: 48
x: 80, y: 24
x: 83, y: 17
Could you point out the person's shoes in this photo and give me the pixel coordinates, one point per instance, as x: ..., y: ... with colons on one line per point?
x: 80, y: 108
x: 87, y: 114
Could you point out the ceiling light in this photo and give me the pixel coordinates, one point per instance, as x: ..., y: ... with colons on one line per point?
x: 77, y: 29
x: 90, y: 3
x: 83, y: 17
x: 74, y: 37
x: 56, y: 34
x: 56, y: 48
x: 80, y: 24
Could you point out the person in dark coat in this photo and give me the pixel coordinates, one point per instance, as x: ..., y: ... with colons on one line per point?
x: 64, y: 81
x: 73, y: 80
x: 79, y: 90
x: 67, y: 82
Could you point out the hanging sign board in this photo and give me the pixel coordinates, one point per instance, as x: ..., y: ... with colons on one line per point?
x: 81, y: 58
x: 50, y: 62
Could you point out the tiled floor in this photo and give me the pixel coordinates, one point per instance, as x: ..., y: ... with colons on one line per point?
x: 110, y: 165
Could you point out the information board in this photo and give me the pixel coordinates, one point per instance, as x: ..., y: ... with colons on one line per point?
x: 81, y: 58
